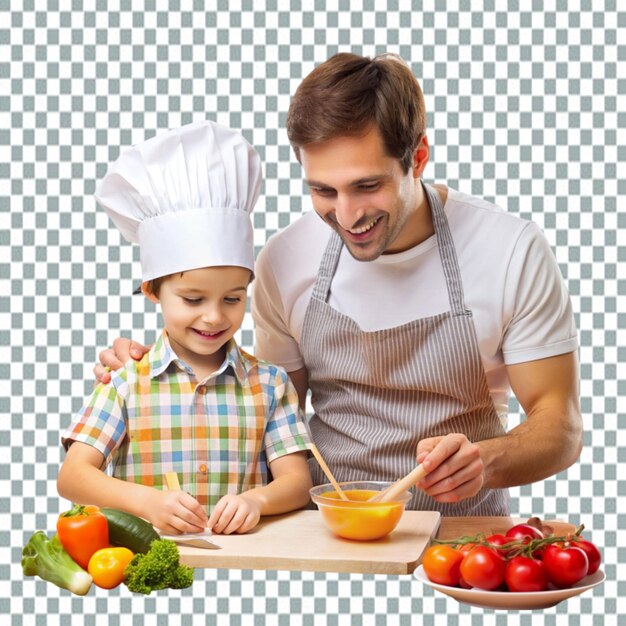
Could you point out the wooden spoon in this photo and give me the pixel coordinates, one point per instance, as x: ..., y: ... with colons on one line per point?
x: 326, y: 470
x: 171, y: 479
x: 400, y: 486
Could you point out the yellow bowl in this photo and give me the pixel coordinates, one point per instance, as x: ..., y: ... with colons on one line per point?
x: 357, y: 519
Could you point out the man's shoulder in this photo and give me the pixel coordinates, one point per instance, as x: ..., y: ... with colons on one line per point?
x: 487, y: 236
x: 466, y: 207
x: 478, y: 219
x: 307, y: 233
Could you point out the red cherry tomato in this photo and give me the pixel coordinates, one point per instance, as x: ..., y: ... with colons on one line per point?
x: 524, y: 574
x: 565, y: 566
x: 519, y: 532
x: 441, y: 564
x: 466, y: 547
x: 593, y: 554
x: 483, y: 568
x: 497, y: 541
x: 463, y: 584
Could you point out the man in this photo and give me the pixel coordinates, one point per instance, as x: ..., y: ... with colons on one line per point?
x: 411, y: 311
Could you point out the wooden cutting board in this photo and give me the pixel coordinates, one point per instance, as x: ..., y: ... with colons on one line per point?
x: 300, y: 541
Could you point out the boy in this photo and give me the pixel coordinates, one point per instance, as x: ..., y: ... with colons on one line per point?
x: 196, y: 404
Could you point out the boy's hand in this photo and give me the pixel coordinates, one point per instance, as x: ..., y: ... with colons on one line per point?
x: 112, y: 359
x: 175, y: 512
x: 234, y: 514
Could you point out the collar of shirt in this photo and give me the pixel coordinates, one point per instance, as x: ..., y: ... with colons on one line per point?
x: 162, y: 355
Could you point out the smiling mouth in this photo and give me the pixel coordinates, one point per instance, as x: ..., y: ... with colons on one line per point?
x: 206, y: 334
x: 364, y: 229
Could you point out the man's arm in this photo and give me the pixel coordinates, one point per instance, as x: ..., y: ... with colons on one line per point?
x: 300, y: 380
x: 547, y: 442
x: 550, y: 439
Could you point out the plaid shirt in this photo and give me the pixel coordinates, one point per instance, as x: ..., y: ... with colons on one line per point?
x: 218, y: 435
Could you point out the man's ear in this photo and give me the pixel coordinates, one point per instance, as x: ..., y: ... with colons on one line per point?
x: 144, y: 290
x: 421, y: 156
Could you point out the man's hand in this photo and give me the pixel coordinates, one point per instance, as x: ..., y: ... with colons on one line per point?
x: 454, y: 468
x: 235, y: 514
x: 175, y: 512
x: 112, y: 359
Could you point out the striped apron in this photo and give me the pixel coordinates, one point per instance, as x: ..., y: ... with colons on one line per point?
x: 377, y: 394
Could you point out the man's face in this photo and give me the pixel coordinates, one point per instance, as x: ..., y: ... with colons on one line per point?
x: 363, y: 194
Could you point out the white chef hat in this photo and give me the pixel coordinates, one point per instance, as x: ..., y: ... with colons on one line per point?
x: 185, y: 196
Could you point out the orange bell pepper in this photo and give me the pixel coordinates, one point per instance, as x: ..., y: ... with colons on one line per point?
x: 82, y: 531
x: 107, y: 566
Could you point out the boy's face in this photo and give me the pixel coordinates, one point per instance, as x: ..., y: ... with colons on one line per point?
x: 202, y: 310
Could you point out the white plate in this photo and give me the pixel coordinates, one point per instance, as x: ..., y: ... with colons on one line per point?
x: 512, y: 600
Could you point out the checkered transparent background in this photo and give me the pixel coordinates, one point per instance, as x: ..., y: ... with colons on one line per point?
x: 525, y: 101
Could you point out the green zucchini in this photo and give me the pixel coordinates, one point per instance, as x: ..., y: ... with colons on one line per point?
x: 129, y: 531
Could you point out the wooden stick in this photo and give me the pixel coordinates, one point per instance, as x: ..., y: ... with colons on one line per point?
x: 171, y: 478
x: 326, y: 470
x: 400, y: 486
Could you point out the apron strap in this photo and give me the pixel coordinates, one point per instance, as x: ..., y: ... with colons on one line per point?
x: 327, y: 268
x: 447, y: 251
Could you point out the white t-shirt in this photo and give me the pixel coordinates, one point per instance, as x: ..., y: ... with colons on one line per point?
x: 511, y: 283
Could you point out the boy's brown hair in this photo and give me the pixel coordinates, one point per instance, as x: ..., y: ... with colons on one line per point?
x: 154, y: 286
x: 347, y: 93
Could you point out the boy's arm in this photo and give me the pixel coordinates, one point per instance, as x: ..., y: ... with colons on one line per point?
x: 82, y: 480
x: 288, y: 490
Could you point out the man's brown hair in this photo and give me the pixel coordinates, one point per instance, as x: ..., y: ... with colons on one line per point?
x: 347, y: 93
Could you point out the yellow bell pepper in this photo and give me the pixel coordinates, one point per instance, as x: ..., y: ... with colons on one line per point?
x: 107, y: 566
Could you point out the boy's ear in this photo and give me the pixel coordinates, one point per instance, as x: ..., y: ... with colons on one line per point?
x: 146, y: 292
